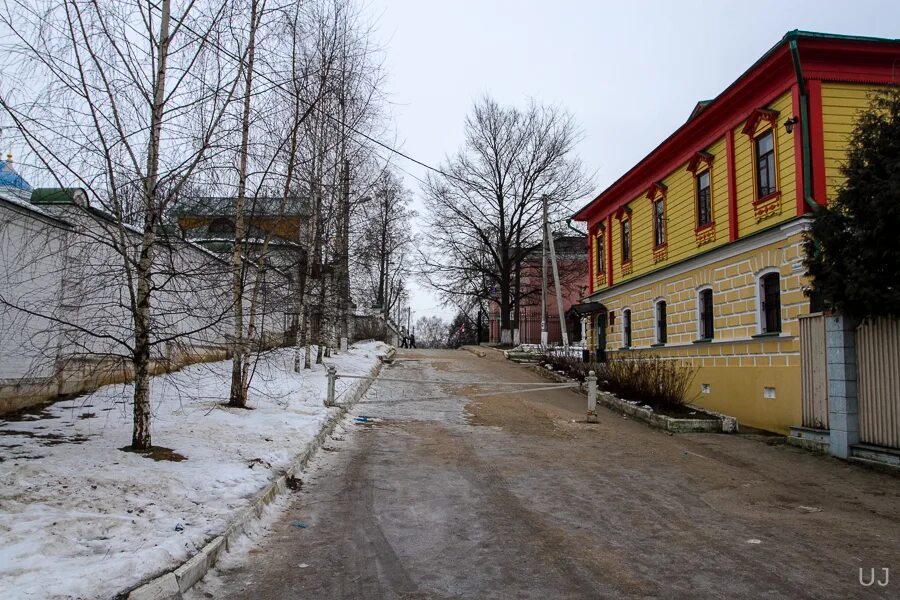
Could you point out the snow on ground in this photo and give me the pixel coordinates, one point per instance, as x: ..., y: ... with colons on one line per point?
x: 572, y: 350
x: 80, y: 518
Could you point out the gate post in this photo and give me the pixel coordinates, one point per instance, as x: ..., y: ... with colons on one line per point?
x: 332, y: 376
x: 843, y: 403
x: 592, y: 397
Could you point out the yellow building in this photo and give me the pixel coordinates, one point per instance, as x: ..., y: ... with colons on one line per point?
x: 697, y: 251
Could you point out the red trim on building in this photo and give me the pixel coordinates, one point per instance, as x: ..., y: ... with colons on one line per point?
x: 591, y: 237
x: 802, y: 207
x: 757, y: 115
x: 609, y: 252
x: 657, y: 188
x: 828, y: 58
x: 732, y: 186
x: 817, y: 142
x: 700, y: 158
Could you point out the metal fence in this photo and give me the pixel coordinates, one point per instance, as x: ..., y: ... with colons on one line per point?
x: 530, y: 330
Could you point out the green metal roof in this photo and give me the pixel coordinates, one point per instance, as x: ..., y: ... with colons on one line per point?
x: 58, y: 196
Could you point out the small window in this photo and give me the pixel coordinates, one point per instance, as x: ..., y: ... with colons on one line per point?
x: 706, y: 329
x: 765, y: 165
x: 598, y: 260
x: 770, y: 303
x: 661, y: 333
x: 704, y: 200
x: 626, y: 240
x: 626, y: 327
x: 659, y: 222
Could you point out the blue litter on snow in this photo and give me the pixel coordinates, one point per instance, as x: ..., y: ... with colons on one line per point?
x: 299, y: 524
x: 362, y: 419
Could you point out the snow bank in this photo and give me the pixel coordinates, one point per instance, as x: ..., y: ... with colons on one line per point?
x: 79, y: 518
x: 573, y: 349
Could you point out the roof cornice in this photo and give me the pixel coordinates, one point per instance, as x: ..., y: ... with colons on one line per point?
x: 825, y: 57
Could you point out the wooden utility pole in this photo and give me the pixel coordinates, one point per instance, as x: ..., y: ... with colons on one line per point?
x: 559, y: 305
x: 544, y: 335
x: 344, y: 258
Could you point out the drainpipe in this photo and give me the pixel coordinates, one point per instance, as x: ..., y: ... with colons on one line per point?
x: 804, y: 128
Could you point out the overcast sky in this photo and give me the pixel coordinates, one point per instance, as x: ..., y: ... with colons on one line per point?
x: 630, y: 72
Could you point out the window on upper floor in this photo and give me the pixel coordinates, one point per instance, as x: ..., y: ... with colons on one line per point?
x: 598, y: 254
x: 626, y: 327
x: 765, y: 164
x: 626, y: 240
x: 705, y: 317
x: 770, y: 303
x: 659, y: 222
x: 661, y: 325
x: 704, y: 199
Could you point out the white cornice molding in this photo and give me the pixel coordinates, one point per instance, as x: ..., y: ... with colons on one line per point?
x: 723, y: 252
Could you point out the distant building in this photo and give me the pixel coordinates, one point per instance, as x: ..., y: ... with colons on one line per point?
x: 209, y: 221
x: 65, y: 321
x: 696, y: 251
x: 572, y: 258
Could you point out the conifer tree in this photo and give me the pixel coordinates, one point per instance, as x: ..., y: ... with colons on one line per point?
x: 853, y: 255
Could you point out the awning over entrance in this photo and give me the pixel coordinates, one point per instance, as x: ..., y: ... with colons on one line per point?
x: 586, y: 308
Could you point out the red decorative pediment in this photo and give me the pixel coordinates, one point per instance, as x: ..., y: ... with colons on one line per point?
x: 657, y: 188
x: 623, y: 212
x: 699, y: 159
x: 759, y: 114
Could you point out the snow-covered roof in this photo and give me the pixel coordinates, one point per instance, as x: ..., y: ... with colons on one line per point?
x: 20, y: 199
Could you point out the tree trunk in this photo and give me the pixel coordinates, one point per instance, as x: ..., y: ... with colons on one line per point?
x: 517, y: 316
x: 307, y: 336
x: 505, y: 330
x: 140, y: 436
x: 238, y: 396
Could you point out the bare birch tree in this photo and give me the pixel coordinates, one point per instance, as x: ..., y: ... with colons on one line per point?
x: 125, y: 100
x: 383, y: 245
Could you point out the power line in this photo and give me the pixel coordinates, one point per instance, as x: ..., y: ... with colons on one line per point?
x: 314, y: 106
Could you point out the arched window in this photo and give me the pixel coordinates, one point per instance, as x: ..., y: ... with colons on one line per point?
x: 770, y: 303
x: 661, y: 325
x: 705, y: 323
x: 626, y: 328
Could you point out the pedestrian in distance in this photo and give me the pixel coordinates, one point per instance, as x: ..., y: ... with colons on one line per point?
x: 412, y: 341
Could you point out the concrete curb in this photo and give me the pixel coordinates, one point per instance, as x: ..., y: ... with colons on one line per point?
x: 722, y: 423
x: 172, y: 584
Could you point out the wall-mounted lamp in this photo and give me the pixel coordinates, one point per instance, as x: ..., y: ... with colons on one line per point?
x: 789, y: 124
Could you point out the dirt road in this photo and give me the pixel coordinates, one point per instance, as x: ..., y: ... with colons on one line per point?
x: 440, y: 495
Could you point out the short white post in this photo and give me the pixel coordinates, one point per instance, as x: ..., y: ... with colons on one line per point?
x: 592, y: 397
x: 332, y: 376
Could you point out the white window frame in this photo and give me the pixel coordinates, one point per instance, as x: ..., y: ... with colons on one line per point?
x: 760, y: 299
x: 656, y: 304
x: 700, y: 291
x: 628, y: 310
